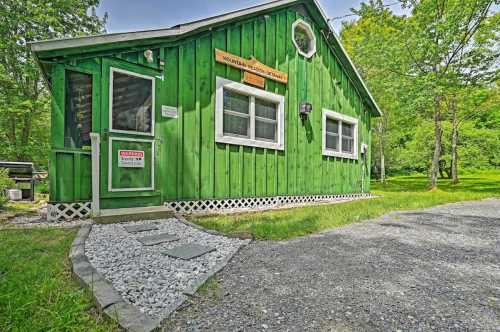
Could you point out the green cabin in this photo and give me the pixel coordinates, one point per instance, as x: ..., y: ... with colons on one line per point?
x: 258, y: 106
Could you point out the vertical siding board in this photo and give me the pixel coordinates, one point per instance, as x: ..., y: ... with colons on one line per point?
x: 204, y: 79
x: 171, y: 129
x: 301, y: 127
x: 271, y: 167
x: 282, y: 65
x: 260, y: 154
x: 221, y: 171
x: 325, y: 103
x: 235, y: 184
x: 247, y: 51
x: 190, y: 149
x: 293, y: 121
x: 317, y: 130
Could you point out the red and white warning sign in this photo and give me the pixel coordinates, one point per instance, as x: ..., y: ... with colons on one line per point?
x: 130, y: 159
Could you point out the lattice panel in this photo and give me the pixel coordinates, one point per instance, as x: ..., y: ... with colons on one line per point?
x: 221, y: 205
x: 68, y: 211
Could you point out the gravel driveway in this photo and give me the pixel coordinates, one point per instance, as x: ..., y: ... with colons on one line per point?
x: 434, y: 269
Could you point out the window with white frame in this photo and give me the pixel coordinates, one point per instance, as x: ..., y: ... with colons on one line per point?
x: 303, y: 38
x: 245, y: 115
x: 340, y: 135
x: 131, y: 102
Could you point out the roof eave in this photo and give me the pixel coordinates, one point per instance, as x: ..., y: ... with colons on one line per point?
x: 176, y: 31
x: 374, y: 105
x: 184, y: 29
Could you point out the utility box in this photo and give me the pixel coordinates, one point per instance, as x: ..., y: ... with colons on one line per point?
x: 14, y: 194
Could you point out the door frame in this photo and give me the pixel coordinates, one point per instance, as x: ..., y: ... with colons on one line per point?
x: 109, y: 135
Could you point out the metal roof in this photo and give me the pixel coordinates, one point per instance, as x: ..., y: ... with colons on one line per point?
x: 191, y: 27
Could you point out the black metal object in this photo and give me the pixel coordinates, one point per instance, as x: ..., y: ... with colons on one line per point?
x: 22, y: 174
x: 304, y: 110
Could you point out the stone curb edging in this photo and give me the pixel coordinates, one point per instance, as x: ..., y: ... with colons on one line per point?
x: 108, y: 300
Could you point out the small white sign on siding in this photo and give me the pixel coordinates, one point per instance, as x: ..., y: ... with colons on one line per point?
x: 169, y: 111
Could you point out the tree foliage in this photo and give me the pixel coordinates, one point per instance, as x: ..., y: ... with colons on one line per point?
x: 435, y: 74
x: 24, y: 118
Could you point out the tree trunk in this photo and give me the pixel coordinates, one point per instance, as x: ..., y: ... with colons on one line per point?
x: 382, y: 153
x: 25, y: 136
x: 438, y: 132
x: 454, y: 142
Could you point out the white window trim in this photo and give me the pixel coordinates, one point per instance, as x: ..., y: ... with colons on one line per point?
x: 152, y: 79
x: 110, y: 164
x: 309, y: 30
x: 342, y: 118
x: 253, y: 93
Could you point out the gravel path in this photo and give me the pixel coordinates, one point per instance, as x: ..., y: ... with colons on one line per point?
x: 144, y: 276
x: 434, y: 269
x: 27, y: 221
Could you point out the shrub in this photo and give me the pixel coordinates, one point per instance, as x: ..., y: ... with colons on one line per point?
x: 5, y: 183
x: 42, y: 187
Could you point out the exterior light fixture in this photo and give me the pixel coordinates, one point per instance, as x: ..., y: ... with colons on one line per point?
x: 148, y: 54
x: 305, y: 109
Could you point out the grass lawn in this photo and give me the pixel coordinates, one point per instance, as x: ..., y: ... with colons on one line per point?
x: 37, y: 292
x: 400, y: 193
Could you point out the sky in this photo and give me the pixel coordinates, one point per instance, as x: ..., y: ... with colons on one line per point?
x: 130, y: 15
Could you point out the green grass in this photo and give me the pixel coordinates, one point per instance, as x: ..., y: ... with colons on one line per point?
x: 400, y: 193
x: 37, y: 292
x: 210, y: 288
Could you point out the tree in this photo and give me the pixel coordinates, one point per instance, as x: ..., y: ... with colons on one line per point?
x: 374, y: 43
x: 438, y: 36
x: 25, y: 113
x: 414, y: 66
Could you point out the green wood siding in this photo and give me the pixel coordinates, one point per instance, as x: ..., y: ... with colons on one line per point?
x: 190, y: 164
x: 214, y: 170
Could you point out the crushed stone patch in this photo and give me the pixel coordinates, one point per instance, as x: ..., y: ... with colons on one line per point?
x: 143, y: 275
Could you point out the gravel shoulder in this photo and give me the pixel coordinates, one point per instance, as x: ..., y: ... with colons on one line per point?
x: 433, y: 269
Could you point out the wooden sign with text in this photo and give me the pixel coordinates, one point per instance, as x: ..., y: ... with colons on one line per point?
x: 253, y: 79
x: 252, y: 66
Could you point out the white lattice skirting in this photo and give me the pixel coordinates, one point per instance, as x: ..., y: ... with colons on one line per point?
x: 245, y: 204
x: 68, y: 211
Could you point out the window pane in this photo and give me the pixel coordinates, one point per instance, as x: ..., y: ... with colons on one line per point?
x: 265, y: 130
x: 347, y: 145
x: 347, y: 130
x: 236, y: 125
x: 78, y: 110
x: 132, y: 103
x: 236, y: 102
x: 302, y: 39
x: 332, y: 126
x: 332, y: 142
x: 265, y: 109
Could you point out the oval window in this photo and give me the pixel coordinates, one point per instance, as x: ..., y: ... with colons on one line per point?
x: 304, y: 38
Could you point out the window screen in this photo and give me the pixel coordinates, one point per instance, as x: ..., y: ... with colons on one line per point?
x: 347, y: 137
x: 236, y: 114
x: 132, y: 103
x: 332, y: 134
x: 265, y: 120
x: 78, y: 109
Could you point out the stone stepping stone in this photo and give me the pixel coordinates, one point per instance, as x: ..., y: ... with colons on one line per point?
x: 189, y: 251
x: 140, y: 228
x: 157, y: 239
